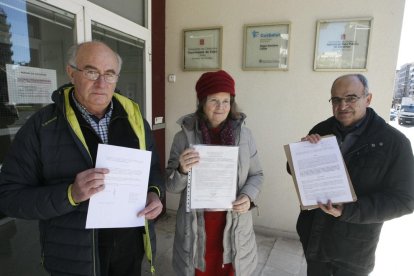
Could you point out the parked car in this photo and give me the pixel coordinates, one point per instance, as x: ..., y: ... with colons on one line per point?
x: 393, y: 114
x: 406, y: 115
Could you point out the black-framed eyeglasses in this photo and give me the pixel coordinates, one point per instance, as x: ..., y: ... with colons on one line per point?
x: 93, y: 75
x: 348, y: 99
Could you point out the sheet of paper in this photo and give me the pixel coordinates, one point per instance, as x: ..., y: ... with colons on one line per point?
x: 320, y: 172
x: 214, y: 179
x: 125, y: 191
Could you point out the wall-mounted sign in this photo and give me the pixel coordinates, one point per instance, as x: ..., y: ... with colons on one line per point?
x: 342, y: 44
x: 266, y: 46
x: 202, y: 49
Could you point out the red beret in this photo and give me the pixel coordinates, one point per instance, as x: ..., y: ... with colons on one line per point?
x: 214, y: 82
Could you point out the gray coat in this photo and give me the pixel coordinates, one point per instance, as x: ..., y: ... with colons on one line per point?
x: 239, y: 240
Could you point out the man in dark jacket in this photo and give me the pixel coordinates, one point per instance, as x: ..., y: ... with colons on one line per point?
x: 341, y: 239
x: 49, y: 173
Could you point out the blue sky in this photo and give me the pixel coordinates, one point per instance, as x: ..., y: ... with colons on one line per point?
x: 18, y: 29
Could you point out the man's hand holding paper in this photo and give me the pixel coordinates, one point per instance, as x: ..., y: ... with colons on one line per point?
x: 329, y: 208
x: 320, y: 174
x: 122, y: 202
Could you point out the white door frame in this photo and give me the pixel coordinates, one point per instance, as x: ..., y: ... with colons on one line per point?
x: 69, y: 6
x: 86, y: 12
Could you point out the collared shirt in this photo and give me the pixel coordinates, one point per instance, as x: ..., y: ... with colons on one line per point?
x: 99, y: 125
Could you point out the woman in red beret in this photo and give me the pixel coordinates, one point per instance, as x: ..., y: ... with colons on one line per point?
x: 215, y: 242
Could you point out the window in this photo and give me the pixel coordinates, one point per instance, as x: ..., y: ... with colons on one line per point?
x: 33, y: 41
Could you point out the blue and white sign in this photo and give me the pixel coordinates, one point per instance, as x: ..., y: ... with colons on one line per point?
x: 266, y: 47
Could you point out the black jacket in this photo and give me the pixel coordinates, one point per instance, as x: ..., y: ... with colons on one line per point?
x: 43, y: 160
x: 380, y: 164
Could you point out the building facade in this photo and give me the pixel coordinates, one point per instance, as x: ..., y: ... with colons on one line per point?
x: 404, y: 81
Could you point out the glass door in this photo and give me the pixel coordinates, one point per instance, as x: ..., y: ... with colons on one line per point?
x: 133, y: 43
x: 34, y: 38
x: 131, y: 82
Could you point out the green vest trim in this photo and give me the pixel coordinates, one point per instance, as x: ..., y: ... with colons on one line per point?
x: 73, y: 121
x: 134, y: 117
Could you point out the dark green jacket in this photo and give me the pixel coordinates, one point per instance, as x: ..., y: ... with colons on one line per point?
x: 46, y: 155
x: 380, y: 164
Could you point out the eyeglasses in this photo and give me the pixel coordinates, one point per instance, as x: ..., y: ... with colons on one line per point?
x: 93, y: 75
x: 217, y: 103
x: 348, y: 100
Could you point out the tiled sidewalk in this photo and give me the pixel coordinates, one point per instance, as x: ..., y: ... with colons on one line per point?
x: 284, y: 257
x: 277, y: 256
x: 19, y: 240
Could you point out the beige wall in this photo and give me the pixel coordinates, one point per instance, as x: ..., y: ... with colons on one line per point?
x: 281, y: 106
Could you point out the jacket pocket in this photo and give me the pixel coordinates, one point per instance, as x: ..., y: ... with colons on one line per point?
x: 355, y: 244
x: 370, y: 157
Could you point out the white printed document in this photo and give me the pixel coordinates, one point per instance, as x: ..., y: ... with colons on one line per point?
x: 212, y: 183
x: 319, y: 172
x: 125, y: 191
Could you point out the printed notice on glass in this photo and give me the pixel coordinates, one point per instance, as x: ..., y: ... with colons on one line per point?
x: 125, y: 190
x: 30, y: 85
x: 212, y: 182
x: 319, y: 172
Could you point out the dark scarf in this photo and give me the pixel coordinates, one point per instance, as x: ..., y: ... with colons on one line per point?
x: 347, y: 136
x: 225, y: 134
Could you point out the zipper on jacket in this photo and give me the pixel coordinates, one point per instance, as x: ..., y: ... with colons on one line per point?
x: 42, y: 259
x: 93, y: 252
x: 42, y: 246
x: 349, y: 154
